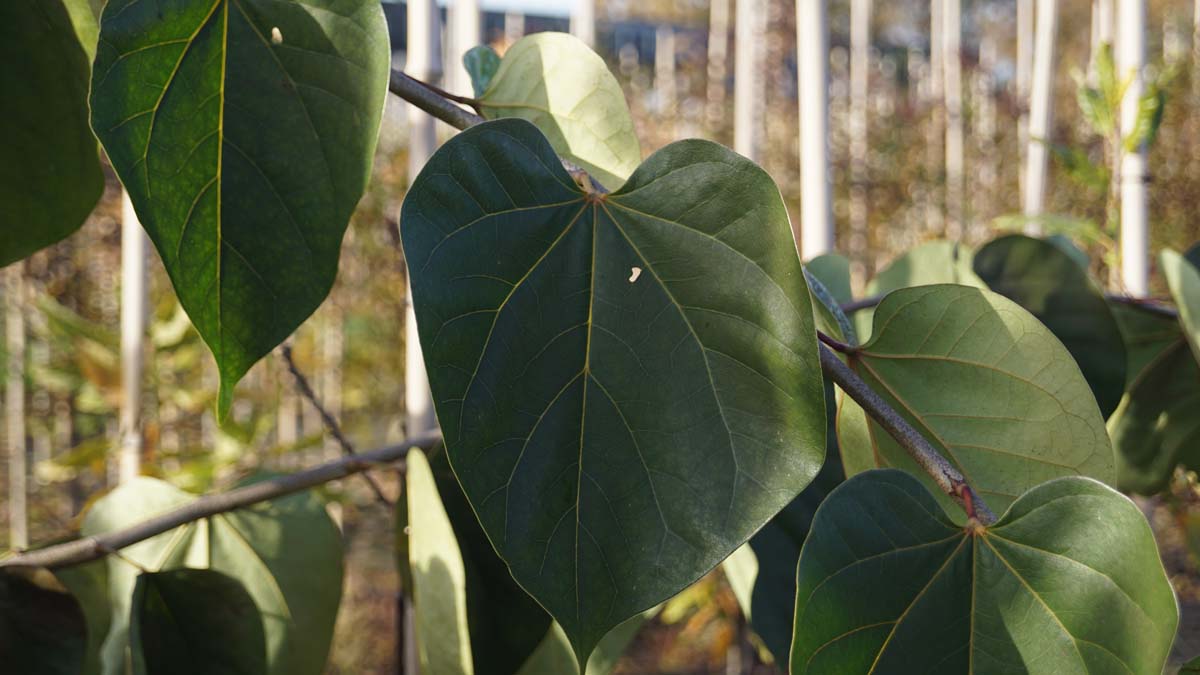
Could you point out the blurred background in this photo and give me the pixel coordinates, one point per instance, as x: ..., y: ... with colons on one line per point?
x: 896, y: 103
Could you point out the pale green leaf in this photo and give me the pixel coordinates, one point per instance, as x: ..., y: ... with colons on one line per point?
x: 988, y: 385
x: 287, y: 553
x: 438, y: 577
x: 555, y: 81
x: 1183, y: 278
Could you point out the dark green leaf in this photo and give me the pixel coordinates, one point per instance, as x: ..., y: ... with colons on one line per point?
x: 42, y: 628
x: 1156, y: 425
x: 89, y: 584
x: 1067, y: 581
x: 987, y: 384
x: 244, y: 132
x: 1192, y: 255
x: 763, y: 572
x: 628, y: 383
x: 50, y: 174
x: 1146, y: 335
x: 195, y: 622
x: 1044, y: 280
x: 481, y: 63
x: 287, y: 553
x: 559, y: 84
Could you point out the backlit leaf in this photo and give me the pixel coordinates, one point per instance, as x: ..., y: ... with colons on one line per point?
x: 628, y: 383
x: 244, y: 131
x: 934, y: 262
x: 988, y: 385
x: 287, y: 553
x: 564, y: 88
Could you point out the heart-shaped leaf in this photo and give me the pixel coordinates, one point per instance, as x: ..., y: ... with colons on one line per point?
x: 244, y: 131
x: 50, y: 174
x: 1040, y: 277
x: 627, y: 383
x: 987, y: 384
x: 1067, y: 581
x: 195, y: 622
x: 287, y: 553
x: 42, y: 629
x: 559, y: 84
x: 555, y: 656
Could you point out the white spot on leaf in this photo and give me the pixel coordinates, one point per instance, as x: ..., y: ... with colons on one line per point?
x: 276, y: 36
x: 634, y: 273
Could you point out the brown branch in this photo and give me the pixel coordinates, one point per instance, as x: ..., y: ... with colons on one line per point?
x: 331, y: 424
x: 419, y: 94
x: 1149, y: 305
x: 947, y: 477
x: 87, y: 549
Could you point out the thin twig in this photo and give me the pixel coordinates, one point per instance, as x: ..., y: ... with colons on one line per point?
x: 835, y: 344
x: 464, y: 100
x: 420, y: 95
x: 1148, y: 305
x: 87, y: 549
x: 947, y: 477
x: 862, y: 303
x: 331, y: 424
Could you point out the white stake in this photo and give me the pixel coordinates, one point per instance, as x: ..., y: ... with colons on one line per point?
x: 748, y: 86
x: 583, y: 21
x: 423, y: 64
x: 133, y: 342
x: 1023, y: 80
x: 464, y: 34
x: 718, y: 58
x: 14, y: 408
x: 952, y: 62
x: 1041, y: 114
x: 812, y: 47
x: 1135, y: 237
x: 857, y: 130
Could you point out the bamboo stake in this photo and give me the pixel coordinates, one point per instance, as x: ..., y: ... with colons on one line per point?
x: 812, y: 46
